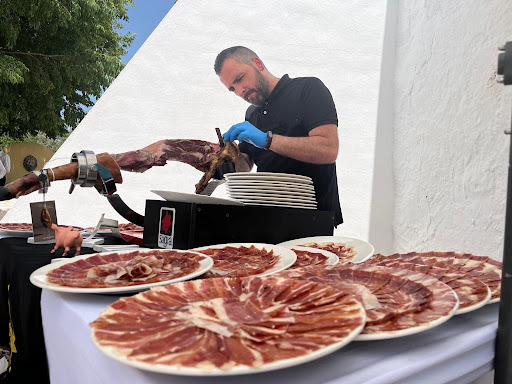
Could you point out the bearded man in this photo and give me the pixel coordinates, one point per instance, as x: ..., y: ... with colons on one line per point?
x: 291, y: 126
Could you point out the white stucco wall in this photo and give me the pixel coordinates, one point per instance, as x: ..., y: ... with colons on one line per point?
x: 449, y: 152
x: 383, y: 189
x: 169, y: 90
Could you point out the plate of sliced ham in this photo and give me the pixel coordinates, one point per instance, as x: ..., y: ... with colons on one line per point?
x: 348, y: 249
x: 475, y: 279
x: 228, y: 326
x: 308, y: 257
x: 397, y: 302
x: 15, y: 230
x: 121, y: 272
x: 247, y: 259
x: 24, y: 230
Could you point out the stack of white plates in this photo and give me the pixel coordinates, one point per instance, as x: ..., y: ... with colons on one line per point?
x: 271, y: 189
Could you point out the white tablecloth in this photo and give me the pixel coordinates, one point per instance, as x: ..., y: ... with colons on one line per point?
x: 458, y: 351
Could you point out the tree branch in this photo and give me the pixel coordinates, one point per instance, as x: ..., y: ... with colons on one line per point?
x: 31, y: 54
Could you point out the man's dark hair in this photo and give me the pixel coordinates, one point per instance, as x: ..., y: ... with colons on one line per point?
x: 239, y: 54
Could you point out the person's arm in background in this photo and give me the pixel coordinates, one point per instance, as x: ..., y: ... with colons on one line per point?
x: 7, y: 163
x: 3, y: 170
x: 243, y: 163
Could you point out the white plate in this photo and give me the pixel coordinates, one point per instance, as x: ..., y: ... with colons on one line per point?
x: 193, y: 198
x: 407, y: 331
x: 332, y: 257
x: 265, y: 174
x: 476, y: 305
x: 38, y: 277
x: 440, y: 292
x: 264, y: 194
x: 257, y: 177
x: 283, y: 200
x: 287, y: 256
x: 281, y: 205
x: 280, y: 191
x: 364, y: 249
x: 10, y: 233
x: 278, y: 203
x: 238, y: 370
x: 267, y: 184
x: 273, y: 198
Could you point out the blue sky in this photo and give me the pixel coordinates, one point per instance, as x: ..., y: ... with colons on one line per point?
x: 143, y: 19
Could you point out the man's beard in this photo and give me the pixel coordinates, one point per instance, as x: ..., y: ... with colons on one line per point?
x: 261, y: 90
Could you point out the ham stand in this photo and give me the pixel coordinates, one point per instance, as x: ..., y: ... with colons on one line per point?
x: 503, y: 350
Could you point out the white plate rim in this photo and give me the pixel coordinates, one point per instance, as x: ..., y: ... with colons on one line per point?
x: 281, y: 205
x: 475, y: 306
x: 259, y: 196
x: 287, y: 256
x: 274, y: 178
x: 267, y: 184
x: 408, y: 331
x: 238, y: 370
x: 276, y: 201
x: 264, y: 200
x: 194, y: 198
x: 272, y: 191
x: 38, y: 277
x: 332, y: 257
x: 11, y: 233
x: 259, y: 174
x: 362, y: 255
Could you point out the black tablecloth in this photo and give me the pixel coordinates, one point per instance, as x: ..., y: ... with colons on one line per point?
x: 20, y: 302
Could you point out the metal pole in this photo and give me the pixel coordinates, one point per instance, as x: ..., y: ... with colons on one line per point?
x: 503, y: 351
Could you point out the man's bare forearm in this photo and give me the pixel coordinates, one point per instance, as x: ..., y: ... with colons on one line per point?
x: 316, y: 149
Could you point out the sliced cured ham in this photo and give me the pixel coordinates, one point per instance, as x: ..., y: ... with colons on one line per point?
x: 485, y: 269
x: 472, y: 293
x: 230, y: 261
x: 27, y: 227
x: 393, y: 308
x: 216, y: 325
x: 122, y: 227
x: 308, y: 257
x: 125, y: 269
x: 383, y: 295
x: 443, y: 304
x: 130, y: 227
x: 16, y: 227
x: 345, y: 253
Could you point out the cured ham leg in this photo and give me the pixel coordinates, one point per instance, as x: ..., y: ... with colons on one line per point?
x: 202, y: 155
x: 30, y: 183
x: 197, y: 153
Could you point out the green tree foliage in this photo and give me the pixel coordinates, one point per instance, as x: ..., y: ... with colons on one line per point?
x: 39, y: 138
x: 54, y: 56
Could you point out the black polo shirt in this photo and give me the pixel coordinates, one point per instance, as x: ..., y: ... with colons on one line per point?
x: 294, y: 108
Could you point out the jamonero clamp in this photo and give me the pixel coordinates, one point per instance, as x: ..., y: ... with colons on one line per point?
x: 88, y: 171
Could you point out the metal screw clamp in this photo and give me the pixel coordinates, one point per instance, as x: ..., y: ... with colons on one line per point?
x: 87, y: 170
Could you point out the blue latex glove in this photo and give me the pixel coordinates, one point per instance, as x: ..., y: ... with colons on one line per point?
x: 246, y: 132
